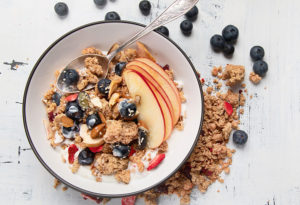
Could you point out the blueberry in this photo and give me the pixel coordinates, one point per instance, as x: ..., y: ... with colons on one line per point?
x: 228, y: 49
x: 145, y: 7
x: 127, y: 109
x: 61, y: 8
x: 142, y: 138
x: 100, y: 2
x: 121, y: 150
x: 119, y: 68
x: 260, y: 68
x: 56, y: 98
x: 93, y: 120
x: 240, y: 137
x: 70, y: 76
x: 192, y: 14
x: 74, y: 111
x: 217, y: 42
x: 112, y: 15
x: 257, y: 53
x: 103, y: 86
x: 163, y: 30
x: 186, y: 27
x: 86, y: 157
x: 230, y: 33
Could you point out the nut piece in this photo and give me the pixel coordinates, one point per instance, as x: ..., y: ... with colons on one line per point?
x: 113, y: 99
x: 87, y: 139
x: 113, y: 86
x: 98, y: 131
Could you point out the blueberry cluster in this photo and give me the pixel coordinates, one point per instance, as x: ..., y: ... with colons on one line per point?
x: 260, y: 67
x: 225, y: 41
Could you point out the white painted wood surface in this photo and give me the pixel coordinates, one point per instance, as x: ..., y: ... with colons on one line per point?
x: 265, y: 171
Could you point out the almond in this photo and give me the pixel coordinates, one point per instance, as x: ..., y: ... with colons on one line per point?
x: 98, y: 131
x: 66, y: 122
x: 113, y: 100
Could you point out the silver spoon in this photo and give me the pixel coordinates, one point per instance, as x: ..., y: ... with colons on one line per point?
x: 175, y: 10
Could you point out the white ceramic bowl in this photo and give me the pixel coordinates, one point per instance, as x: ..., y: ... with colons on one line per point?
x: 102, y: 35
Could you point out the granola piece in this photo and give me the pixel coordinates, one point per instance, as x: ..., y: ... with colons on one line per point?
x: 182, y: 98
x: 214, y: 71
x: 163, y: 147
x: 254, y: 78
x: 75, y: 166
x: 209, y: 90
x: 82, y: 83
x: 170, y: 73
x: 91, y: 50
x: 56, y: 183
x: 120, y: 131
x: 179, y: 125
x: 92, y: 63
x: 107, y: 164
x: 113, y: 99
x: 105, y: 109
x: 130, y: 54
x: 234, y: 74
x: 123, y: 176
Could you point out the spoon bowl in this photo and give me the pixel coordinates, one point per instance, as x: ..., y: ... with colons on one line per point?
x: 78, y: 64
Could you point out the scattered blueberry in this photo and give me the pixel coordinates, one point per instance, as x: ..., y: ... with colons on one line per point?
x: 192, y: 14
x: 74, y: 111
x: 103, y: 86
x: 260, y: 67
x: 127, y: 109
x: 112, y: 15
x: 145, y: 7
x: 119, y: 68
x: 230, y: 33
x: 86, y: 157
x: 186, y: 27
x: 61, y: 8
x: 142, y: 138
x: 93, y: 120
x: 69, y: 132
x: 240, y: 137
x: 70, y: 76
x: 228, y: 49
x: 163, y: 30
x: 100, y: 2
x: 217, y: 42
x: 121, y: 150
x: 257, y: 53
x: 56, y: 98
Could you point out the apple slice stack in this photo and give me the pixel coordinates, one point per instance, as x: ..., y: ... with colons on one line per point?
x: 160, y: 104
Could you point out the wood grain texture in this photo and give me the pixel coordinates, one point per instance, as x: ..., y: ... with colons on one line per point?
x: 265, y: 171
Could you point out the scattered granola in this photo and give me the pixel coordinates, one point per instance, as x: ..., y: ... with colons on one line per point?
x: 254, y: 78
x: 234, y: 74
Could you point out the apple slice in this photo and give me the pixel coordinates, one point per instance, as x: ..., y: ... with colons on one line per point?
x: 165, y: 83
x: 167, y: 112
x: 149, y: 108
x: 156, y: 84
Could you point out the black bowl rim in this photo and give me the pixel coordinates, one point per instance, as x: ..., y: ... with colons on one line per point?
x: 45, y: 164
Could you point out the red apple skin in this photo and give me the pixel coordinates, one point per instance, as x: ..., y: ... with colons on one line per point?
x: 167, y: 113
x: 137, y: 66
x: 162, y: 134
x: 155, y: 70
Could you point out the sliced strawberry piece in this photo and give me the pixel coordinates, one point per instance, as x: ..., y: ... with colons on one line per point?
x: 166, y: 67
x: 96, y: 149
x: 132, y: 151
x: 71, y: 151
x: 228, y: 108
x: 96, y: 199
x: 72, y: 97
x: 156, y: 161
x: 130, y: 200
x: 206, y: 172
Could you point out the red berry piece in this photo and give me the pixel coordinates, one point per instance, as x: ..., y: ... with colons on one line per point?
x: 132, y: 151
x: 156, y: 161
x: 72, y: 97
x: 96, y: 199
x: 228, y: 108
x: 71, y: 151
x: 166, y: 67
x: 96, y: 149
x: 130, y: 200
x: 51, y: 116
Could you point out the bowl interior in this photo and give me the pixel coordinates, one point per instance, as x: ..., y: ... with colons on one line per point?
x: 102, y: 35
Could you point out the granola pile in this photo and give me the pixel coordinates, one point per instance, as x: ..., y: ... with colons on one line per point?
x: 211, y: 156
x: 100, y: 128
